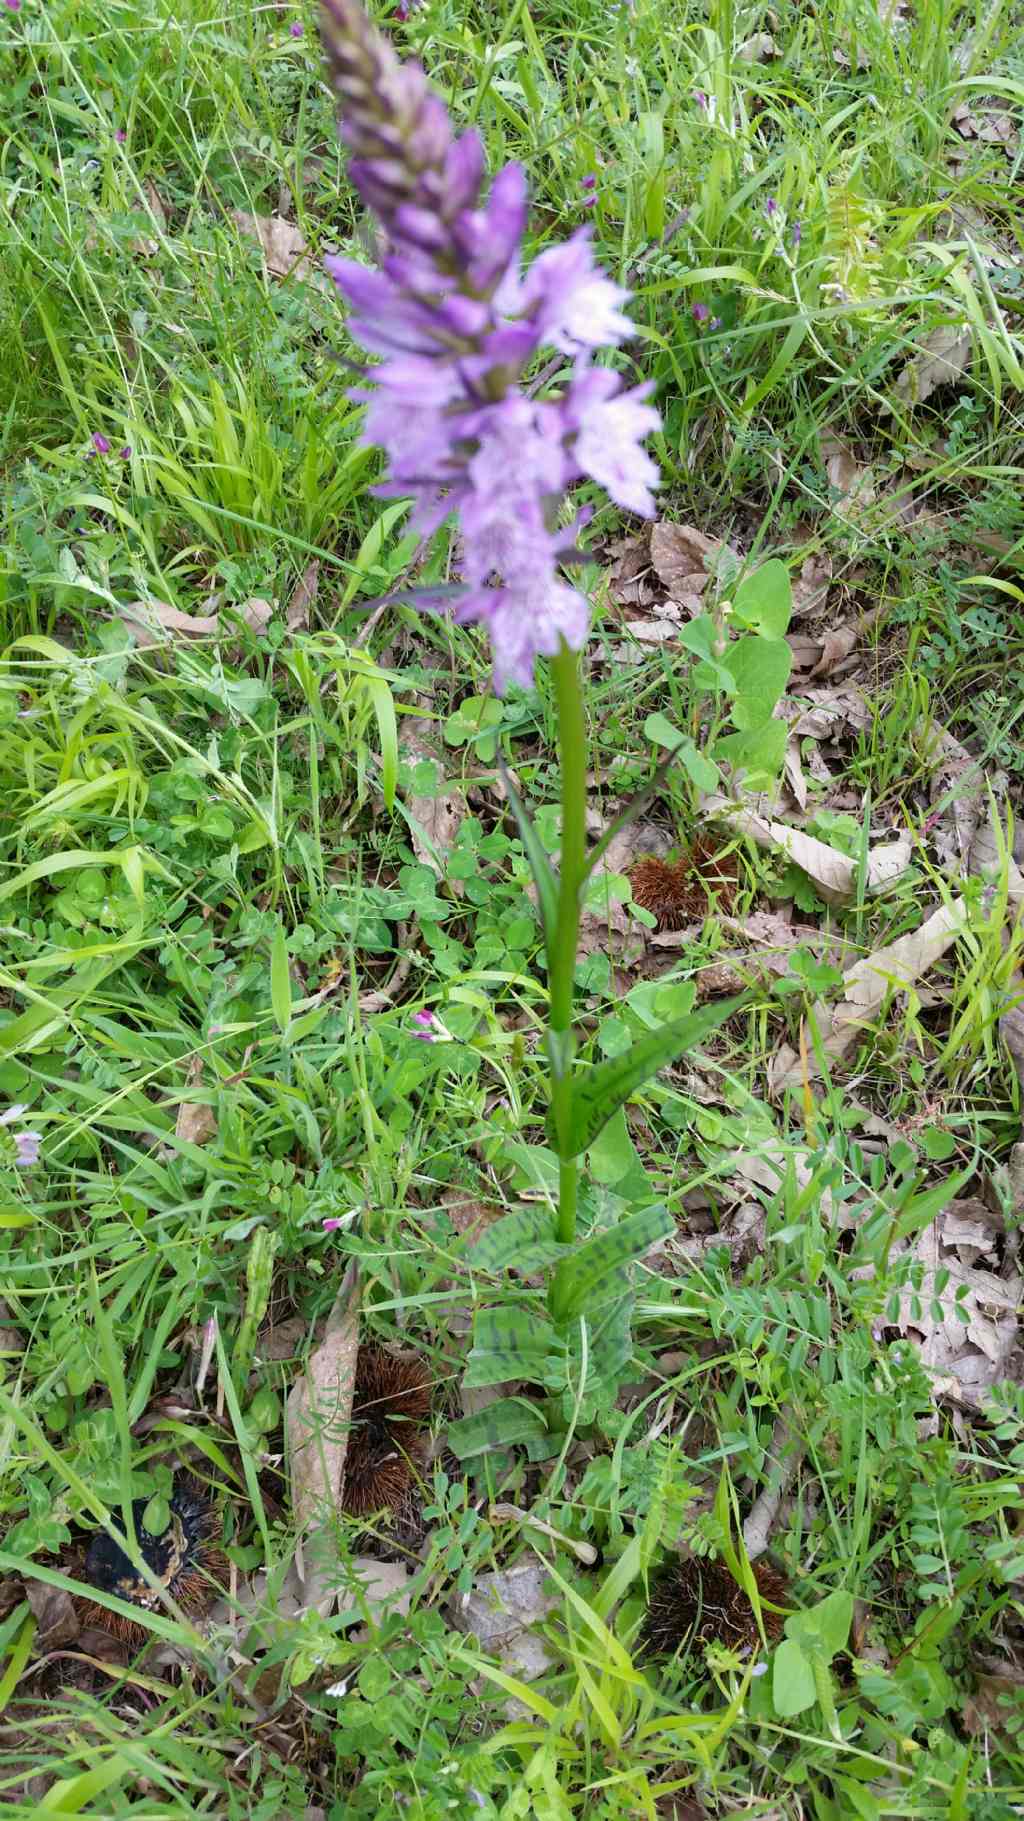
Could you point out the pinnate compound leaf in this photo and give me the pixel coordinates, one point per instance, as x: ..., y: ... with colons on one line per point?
x: 592, y: 1274
x: 605, y: 1086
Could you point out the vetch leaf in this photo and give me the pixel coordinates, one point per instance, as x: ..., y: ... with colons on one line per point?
x: 587, y: 1278
x: 603, y: 1087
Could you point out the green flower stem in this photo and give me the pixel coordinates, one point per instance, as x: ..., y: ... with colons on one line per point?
x: 572, y: 742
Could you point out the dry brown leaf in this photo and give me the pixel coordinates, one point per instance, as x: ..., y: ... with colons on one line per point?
x: 865, y: 988
x: 257, y: 613
x: 793, y: 773
x: 683, y: 556
x: 284, y: 247
x: 837, y: 646
x: 628, y: 577
x: 942, y: 357
x: 853, y: 484
x: 834, y: 874
x: 304, y: 598
x: 152, y: 622
x: 196, y: 1122
x: 317, y: 1420
x: 57, y: 1622
x: 810, y: 589
x: 823, y: 713
x: 145, y: 246
x: 756, y: 49
x: 499, y: 1611
x: 996, y: 1698
x: 972, y: 1352
x: 434, y: 822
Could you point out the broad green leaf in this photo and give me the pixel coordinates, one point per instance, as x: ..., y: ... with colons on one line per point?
x: 763, y: 601
x: 523, y: 1239
x: 760, y: 670
x: 759, y: 752
x: 540, y: 866
x: 824, y: 1627
x: 511, y: 1343
x: 660, y: 731
x: 600, y: 1089
x: 699, y: 636
x: 511, y: 1419
x: 585, y: 1280
x: 793, y: 1687
x: 612, y: 1160
x: 280, y: 980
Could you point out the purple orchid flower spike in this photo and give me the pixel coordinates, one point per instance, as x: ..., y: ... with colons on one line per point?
x: 458, y: 322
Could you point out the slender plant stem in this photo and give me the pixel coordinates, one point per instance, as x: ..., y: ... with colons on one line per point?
x: 572, y: 743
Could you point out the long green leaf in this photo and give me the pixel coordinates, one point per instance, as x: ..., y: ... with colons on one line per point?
x: 592, y: 1274
x: 606, y: 1085
x: 280, y: 980
x: 540, y: 866
x: 509, y: 1420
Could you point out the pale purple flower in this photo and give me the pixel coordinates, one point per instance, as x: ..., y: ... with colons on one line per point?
x: 796, y: 233
x: 26, y: 1144
x: 424, y: 1026
x: 296, y: 28
x: 589, y: 182
x: 13, y: 6
x: 700, y: 312
x: 715, y: 323
x: 771, y: 207
x: 100, y: 443
x: 121, y: 136
x: 458, y: 323
x: 700, y: 98
x: 331, y: 1226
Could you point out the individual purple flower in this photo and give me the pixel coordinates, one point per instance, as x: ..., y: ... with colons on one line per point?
x: 700, y: 312
x: 796, y: 233
x: 771, y: 207
x: 100, y: 443
x: 423, y: 1026
x: 121, y: 136
x: 296, y: 28
x: 458, y: 323
x: 715, y: 323
x: 13, y: 6
x: 26, y: 1144
x: 124, y: 454
x: 700, y: 98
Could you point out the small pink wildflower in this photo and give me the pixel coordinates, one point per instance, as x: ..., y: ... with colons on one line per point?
x: 100, y: 443
x: 121, y: 136
x: 700, y: 312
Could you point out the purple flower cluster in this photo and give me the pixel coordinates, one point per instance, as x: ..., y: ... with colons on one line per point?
x: 458, y: 322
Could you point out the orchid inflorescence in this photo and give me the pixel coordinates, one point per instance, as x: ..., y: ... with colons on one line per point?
x: 458, y: 322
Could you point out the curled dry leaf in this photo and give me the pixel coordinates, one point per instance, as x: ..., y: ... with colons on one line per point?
x: 824, y: 713
x: 317, y: 1420
x: 834, y: 874
x: 196, y: 1122
x: 852, y: 483
x: 942, y: 357
x: 810, y: 587
x: 866, y: 986
x: 57, y: 1621
x: 499, y: 1612
x: 434, y: 822
x: 683, y: 558
x: 284, y: 247
x: 836, y: 647
x: 963, y: 1317
x: 154, y: 622
x: 304, y: 598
